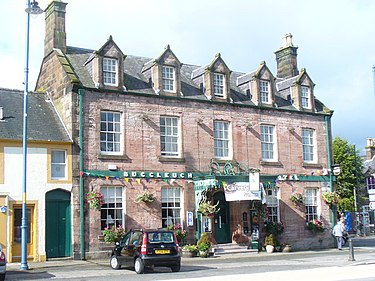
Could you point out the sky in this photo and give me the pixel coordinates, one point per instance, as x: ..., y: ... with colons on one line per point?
x: 335, y: 40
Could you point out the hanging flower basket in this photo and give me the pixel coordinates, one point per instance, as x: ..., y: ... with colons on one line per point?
x: 180, y: 233
x: 296, y: 198
x: 146, y: 197
x: 95, y: 199
x: 208, y: 209
x: 114, y: 233
x: 330, y: 198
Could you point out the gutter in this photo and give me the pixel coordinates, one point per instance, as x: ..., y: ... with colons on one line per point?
x: 327, y: 120
x: 81, y: 186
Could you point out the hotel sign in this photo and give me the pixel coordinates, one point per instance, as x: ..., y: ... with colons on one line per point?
x: 158, y: 175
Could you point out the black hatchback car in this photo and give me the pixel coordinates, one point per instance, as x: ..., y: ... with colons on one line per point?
x: 147, y: 248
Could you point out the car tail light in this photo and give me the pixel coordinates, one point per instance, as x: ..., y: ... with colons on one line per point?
x: 144, y: 244
x: 2, y: 257
x: 178, y: 248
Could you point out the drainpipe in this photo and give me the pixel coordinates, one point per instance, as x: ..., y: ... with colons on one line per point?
x: 327, y: 120
x: 81, y: 189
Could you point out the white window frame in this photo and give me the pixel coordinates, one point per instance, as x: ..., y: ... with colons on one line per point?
x: 370, y: 183
x: 171, y: 205
x: 110, y: 71
x: 308, y: 145
x: 218, y: 82
x: 264, y: 91
x: 111, y: 132
x: 168, y: 76
x: 311, y: 204
x: 268, y: 142
x: 57, y: 165
x: 170, y: 136
x: 272, y: 202
x: 305, y: 97
x: 222, y: 140
x: 112, y: 212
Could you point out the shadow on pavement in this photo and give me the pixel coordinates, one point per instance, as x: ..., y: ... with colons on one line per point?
x: 28, y: 275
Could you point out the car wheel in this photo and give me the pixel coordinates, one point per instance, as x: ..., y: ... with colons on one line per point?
x: 176, y: 268
x: 138, y: 266
x: 114, y: 262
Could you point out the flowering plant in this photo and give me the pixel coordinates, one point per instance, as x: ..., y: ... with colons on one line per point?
x: 146, y: 197
x: 296, y: 197
x: 330, y: 198
x: 95, y: 199
x: 315, y: 226
x: 114, y: 234
x: 180, y: 233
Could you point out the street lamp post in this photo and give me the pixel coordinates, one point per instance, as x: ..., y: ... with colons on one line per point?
x: 34, y: 9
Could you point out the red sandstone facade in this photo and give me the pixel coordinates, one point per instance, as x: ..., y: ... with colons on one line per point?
x: 68, y: 72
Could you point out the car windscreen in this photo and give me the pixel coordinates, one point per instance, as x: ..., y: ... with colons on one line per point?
x: 160, y: 237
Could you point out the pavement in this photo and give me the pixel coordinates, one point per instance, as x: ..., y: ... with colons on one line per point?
x: 364, y: 248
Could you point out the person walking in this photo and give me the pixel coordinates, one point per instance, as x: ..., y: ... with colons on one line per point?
x: 337, y: 231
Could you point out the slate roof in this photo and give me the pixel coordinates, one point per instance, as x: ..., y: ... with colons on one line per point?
x: 135, y: 81
x: 43, y: 123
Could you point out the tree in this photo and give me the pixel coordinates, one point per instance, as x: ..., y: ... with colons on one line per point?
x: 347, y: 157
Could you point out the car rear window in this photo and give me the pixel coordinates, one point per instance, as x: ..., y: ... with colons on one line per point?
x: 160, y: 237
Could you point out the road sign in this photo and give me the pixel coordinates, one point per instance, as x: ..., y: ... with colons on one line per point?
x: 372, y: 205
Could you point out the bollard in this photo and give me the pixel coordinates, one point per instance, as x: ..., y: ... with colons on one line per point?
x: 351, y: 250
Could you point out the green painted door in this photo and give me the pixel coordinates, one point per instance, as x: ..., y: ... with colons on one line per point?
x: 221, y: 219
x: 58, y: 224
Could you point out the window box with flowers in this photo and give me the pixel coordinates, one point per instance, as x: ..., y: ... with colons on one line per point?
x: 180, y: 233
x: 330, y: 198
x: 296, y: 198
x: 146, y: 197
x: 114, y: 233
x: 95, y: 199
x: 315, y: 226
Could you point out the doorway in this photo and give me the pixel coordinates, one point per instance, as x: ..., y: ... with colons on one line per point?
x: 58, y: 224
x: 17, y: 232
x: 221, y: 219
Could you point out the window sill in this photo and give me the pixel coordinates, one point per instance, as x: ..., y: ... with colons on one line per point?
x: 171, y: 159
x: 113, y: 157
x: 312, y: 165
x: 271, y: 163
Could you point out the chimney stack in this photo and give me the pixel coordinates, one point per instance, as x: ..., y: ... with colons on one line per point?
x: 55, y: 27
x: 286, y: 58
x: 370, y: 149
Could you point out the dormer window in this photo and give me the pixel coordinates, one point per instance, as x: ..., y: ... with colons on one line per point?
x: 168, y: 75
x: 264, y: 90
x: 110, y: 69
x: 305, y: 97
x: 218, y: 85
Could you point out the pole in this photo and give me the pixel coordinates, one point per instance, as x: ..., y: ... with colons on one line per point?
x: 351, y: 250
x: 81, y: 183
x: 24, y: 265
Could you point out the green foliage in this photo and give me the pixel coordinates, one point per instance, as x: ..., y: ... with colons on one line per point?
x: 315, y: 226
x: 274, y: 228
x: 296, y: 198
x: 204, y: 242
x: 207, y: 208
x: 180, y: 233
x: 190, y: 248
x: 347, y: 157
x: 330, y: 198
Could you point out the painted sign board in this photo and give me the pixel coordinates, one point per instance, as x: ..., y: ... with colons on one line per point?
x: 372, y: 205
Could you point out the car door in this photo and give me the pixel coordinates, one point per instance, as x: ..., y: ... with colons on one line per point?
x: 123, y: 255
x: 129, y: 250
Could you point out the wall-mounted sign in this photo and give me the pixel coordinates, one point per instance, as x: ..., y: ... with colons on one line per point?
x: 190, y: 218
x: 3, y: 209
x: 292, y: 177
x: 158, y: 175
x: 240, y: 191
x: 254, y: 181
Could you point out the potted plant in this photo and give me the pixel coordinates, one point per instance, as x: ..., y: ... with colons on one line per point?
x: 189, y: 250
x: 146, y: 197
x: 180, y: 233
x: 114, y: 233
x: 286, y: 247
x: 315, y: 226
x: 270, y: 243
x: 207, y: 208
x: 204, y: 245
x: 296, y: 198
x: 95, y: 199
